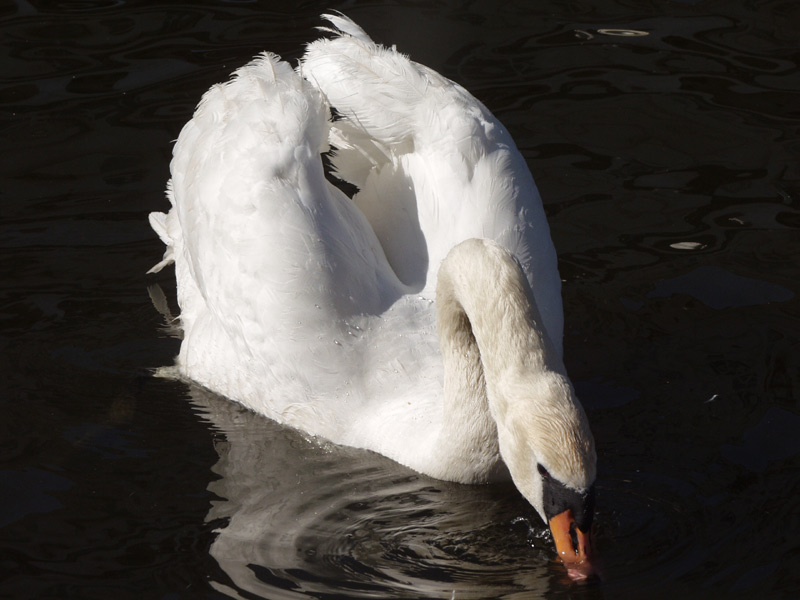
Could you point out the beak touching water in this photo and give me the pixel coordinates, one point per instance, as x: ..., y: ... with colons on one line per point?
x: 574, y: 546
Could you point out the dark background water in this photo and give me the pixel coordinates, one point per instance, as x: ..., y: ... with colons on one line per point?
x: 669, y: 163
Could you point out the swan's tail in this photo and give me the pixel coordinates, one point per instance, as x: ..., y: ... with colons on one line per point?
x: 167, y: 228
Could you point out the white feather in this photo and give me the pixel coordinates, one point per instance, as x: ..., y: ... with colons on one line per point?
x: 318, y: 311
x: 433, y: 166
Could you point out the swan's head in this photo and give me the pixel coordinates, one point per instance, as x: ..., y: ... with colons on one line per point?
x: 548, y: 447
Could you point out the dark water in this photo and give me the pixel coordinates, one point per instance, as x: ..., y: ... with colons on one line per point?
x: 664, y: 139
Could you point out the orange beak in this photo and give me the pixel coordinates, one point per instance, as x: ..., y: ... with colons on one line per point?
x: 577, y: 558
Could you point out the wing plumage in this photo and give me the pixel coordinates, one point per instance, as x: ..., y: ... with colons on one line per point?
x: 272, y: 257
x: 316, y: 309
x: 433, y: 166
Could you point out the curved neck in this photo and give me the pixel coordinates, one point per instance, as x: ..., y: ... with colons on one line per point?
x: 491, y: 337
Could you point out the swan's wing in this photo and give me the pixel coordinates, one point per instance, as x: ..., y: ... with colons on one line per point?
x: 271, y: 259
x: 433, y: 165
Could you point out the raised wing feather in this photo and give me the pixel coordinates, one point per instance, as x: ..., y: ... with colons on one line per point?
x: 432, y: 164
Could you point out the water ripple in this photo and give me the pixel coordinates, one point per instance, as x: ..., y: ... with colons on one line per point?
x: 318, y: 519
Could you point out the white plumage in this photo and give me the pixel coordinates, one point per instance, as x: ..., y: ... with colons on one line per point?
x: 319, y: 311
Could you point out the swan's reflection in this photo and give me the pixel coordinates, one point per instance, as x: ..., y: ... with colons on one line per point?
x: 303, y: 518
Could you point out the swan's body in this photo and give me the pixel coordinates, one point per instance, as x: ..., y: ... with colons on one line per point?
x: 320, y: 311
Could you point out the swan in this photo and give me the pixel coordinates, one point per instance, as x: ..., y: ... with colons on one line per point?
x: 421, y: 318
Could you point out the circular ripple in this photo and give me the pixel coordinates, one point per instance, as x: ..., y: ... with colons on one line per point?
x: 301, y: 518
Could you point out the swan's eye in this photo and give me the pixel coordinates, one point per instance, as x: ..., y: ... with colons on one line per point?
x: 543, y: 472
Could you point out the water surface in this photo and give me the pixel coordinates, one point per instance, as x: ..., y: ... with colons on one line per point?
x: 664, y: 140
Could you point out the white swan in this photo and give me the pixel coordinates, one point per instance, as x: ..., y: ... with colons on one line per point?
x: 322, y: 312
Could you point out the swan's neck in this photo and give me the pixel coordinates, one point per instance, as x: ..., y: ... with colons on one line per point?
x: 492, y: 342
